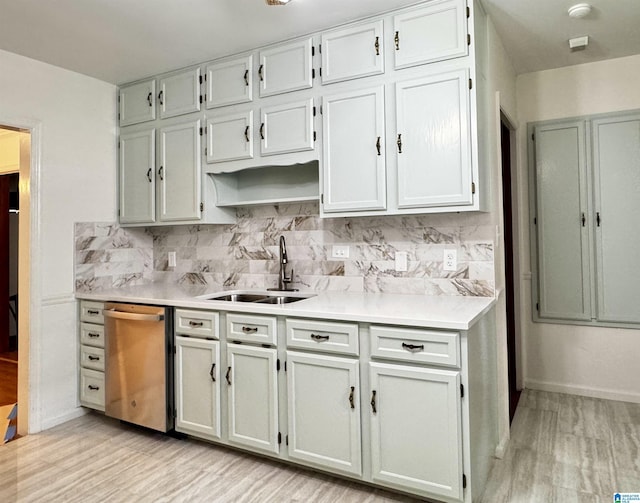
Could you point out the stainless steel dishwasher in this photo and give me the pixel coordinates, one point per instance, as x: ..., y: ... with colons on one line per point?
x: 138, y: 365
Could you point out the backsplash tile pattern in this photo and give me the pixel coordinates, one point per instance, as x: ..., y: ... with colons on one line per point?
x: 245, y: 254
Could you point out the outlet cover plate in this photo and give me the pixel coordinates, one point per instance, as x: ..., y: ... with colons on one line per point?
x: 340, y: 251
x: 450, y: 260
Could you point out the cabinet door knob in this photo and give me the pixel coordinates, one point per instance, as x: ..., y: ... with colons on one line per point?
x: 373, y: 402
x: 377, y: 46
x: 246, y: 77
x: 161, y: 97
x: 149, y: 96
x: 378, y: 145
x: 211, y: 372
x: 246, y: 133
x: 228, y: 376
x: 399, y: 143
x: 396, y: 39
x: 353, y: 389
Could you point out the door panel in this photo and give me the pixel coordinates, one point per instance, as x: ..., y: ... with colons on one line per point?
x: 230, y: 137
x: 137, y: 177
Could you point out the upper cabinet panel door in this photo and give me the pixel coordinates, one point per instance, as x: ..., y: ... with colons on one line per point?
x: 352, y: 52
x: 179, y: 172
x: 287, y: 128
x: 432, y: 33
x: 137, y: 177
x: 616, y: 160
x: 285, y: 68
x: 137, y: 103
x: 353, y: 151
x: 179, y: 93
x: 230, y: 137
x: 433, y: 141
x: 561, y: 230
x: 229, y: 82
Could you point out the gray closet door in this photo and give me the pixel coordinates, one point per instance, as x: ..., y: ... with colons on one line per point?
x: 562, y: 237
x: 616, y: 160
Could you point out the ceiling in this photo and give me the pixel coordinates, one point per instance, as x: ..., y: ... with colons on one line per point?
x: 122, y: 40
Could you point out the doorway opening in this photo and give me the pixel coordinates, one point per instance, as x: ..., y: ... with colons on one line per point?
x: 509, y: 210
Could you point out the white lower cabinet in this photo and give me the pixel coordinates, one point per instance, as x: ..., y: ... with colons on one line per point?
x: 197, y: 374
x: 416, y: 429
x: 91, y: 357
x: 323, y: 411
x: 252, y: 397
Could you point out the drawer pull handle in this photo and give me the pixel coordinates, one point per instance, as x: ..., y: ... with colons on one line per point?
x: 353, y: 389
x: 413, y: 347
x: 396, y: 39
x: 319, y: 338
x: 373, y: 402
x: 377, y: 46
x: 93, y: 388
x: 93, y: 312
x: 94, y: 358
x: 228, y: 376
x: 249, y: 330
x: 93, y: 335
x: 211, y: 372
x: 195, y: 323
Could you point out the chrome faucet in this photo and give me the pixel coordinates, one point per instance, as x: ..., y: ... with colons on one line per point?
x: 283, y: 280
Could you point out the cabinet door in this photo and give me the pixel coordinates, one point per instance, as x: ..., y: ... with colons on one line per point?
x: 353, y: 151
x: 197, y: 387
x: 324, y: 411
x: 287, y: 67
x: 179, y: 93
x: 137, y: 102
x: 352, y: 52
x: 179, y: 172
x: 230, y: 137
x: 416, y: 429
x: 287, y: 128
x: 433, y: 141
x: 229, y: 82
x: 562, y: 235
x: 616, y: 159
x: 432, y: 33
x: 251, y: 379
x: 137, y: 178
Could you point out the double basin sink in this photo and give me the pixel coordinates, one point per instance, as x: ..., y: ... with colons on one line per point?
x: 269, y: 297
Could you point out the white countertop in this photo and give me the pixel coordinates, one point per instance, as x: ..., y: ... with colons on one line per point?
x: 447, y: 312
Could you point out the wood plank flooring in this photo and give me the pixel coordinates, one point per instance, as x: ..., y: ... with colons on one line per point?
x: 563, y: 449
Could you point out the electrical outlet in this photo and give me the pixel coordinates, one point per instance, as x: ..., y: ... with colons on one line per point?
x: 450, y: 260
x: 340, y: 251
x: 401, y: 261
x: 171, y: 258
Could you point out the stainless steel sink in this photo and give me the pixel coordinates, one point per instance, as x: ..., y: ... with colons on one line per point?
x: 271, y: 297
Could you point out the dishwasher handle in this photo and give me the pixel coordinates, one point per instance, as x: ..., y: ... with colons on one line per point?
x: 121, y: 315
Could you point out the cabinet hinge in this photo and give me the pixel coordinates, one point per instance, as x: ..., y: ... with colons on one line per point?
x: 118, y: 211
x: 313, y: 73
x: 533, y: 137
x: 278, y: 364
x: 201, y: 98
x: 205, y: 151
x: 286, y: 439
x: 314, y: 111
x: 279, y: 438
x: 313, y: 51
x: 468, y: 12
x: 470, y: 83
x: 285, y: 365
x: 201, y: 131
x: 464, y: 481
x: 320, y: 48
x: 462, y: 391
x: 201, y: 206
x: 314, y: 136
x: 538, y: 306
x: 200, y: 79
x: 320, y: 71
x: 468, y: 39
x: 320, y: 109
x: 473, y: 187
x: 118, y: 115
x: 535, y: 220
x: 322, y: 198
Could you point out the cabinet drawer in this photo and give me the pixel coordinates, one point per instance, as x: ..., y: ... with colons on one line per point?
x: 323, y: 336
x: 91, y: 311
x: 247, y: 328
x: 205, y: 324
x: 420, y: 346
x: 92, y: 358
x: 92, y: 335
x: 92, y: 388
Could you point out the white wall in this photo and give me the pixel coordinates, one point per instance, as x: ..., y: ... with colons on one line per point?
x: 75, y: 117
x: 590, y: 361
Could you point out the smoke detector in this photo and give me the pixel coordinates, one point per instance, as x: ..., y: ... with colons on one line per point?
x: 579, y: 10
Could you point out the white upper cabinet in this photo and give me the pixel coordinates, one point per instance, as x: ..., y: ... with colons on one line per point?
x: 179, y: 172
x: 354, y: 151
x: 179, y: 93
x: 230, y: 137
x: 287, y: 67
x: 432, y: 33
x: 287, y: 128
x: 433, y: 141
x: 137, y: 177
x: 137, y: 102
x: 352, y: 52
x: 229, y: 82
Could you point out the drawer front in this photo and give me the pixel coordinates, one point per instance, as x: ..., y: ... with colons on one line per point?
x: 247, y: 328
x: 92, y: 388
x: 92, y: 358
x: 420, y: 346
x: 204, y: 324
x: 91, y: 312
x: 323, y: 336
x: 92, y: 335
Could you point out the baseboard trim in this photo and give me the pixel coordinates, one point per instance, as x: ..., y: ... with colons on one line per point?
x: 570, y: 389
x: 55, y: 421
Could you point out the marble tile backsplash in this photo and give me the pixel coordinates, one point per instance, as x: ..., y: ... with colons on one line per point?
x: 245, y: 254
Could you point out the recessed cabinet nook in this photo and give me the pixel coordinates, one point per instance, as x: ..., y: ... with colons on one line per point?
x: 377, y: 117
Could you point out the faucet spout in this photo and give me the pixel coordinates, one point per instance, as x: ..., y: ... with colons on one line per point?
x: 284, y: 280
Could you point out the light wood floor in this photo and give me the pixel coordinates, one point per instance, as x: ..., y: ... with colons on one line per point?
x: 563, y: 449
